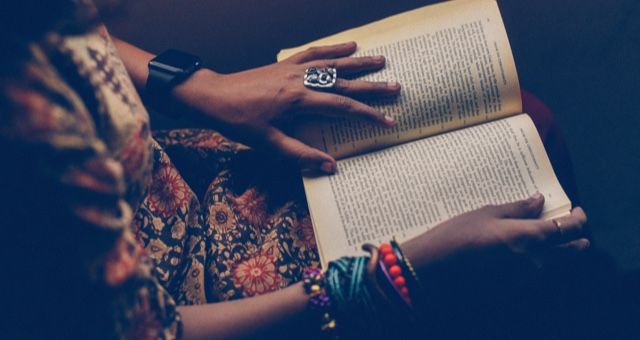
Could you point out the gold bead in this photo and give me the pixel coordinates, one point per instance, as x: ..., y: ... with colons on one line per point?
x: 329, y: 325
x: 315, y: 289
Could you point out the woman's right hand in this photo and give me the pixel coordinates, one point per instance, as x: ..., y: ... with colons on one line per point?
x: 507, y: 230
x: 253, y: 100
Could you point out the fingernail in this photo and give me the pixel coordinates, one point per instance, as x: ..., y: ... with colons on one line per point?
x: 328, y: 167
x: 350, y: 43
x: 536, y: 196
x: 388, y: 119
x: 393, y: 85
x: 378, y: 58
x: 587, y: 244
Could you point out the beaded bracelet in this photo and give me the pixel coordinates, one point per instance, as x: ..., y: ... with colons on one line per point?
x: 405, y: 263
x: 314, y: 285
x: 393, y: 307
x: 389, y: 266
x: 372, y: 270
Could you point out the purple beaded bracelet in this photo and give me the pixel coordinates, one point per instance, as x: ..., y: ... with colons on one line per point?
x: 314, y: 285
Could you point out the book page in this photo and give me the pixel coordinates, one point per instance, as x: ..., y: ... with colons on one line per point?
x: 404, y: 190
x: 455, y: 66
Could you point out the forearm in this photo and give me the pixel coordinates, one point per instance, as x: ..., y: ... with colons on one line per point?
x: 246, y: 317
x: 135, y: 61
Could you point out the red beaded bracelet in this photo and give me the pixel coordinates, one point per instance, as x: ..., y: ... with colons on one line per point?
x: 393, y: 272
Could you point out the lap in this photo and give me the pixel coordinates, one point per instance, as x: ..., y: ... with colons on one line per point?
x: 221, y: 221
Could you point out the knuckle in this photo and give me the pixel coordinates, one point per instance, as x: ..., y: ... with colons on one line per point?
x: 293, y: 96
x: 296, y: 98
x: 344, y: 103
x: 531, y: 234
x: 313, y: 51
x: 293, y: 76
x: 537, y: 234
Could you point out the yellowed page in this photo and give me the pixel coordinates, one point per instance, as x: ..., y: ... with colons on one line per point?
x: 454, y: 63
x: 404, y: 190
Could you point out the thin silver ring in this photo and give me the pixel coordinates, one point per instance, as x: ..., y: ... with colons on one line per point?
x: 320, y: 77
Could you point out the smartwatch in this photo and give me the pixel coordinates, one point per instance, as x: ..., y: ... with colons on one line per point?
x: 169, y: 69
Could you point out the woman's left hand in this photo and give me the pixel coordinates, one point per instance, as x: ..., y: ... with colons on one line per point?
x: 488, y: 234
x: 250, y: 101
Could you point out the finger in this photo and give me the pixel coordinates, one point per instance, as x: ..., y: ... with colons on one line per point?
x: 559, y: 254
x: 324, y: 52
x: 347, y: 66
x: 573, y: 247
x: 568, y: 228
x: 337, y: 105
x: 528, y: 208
x: 307, y: 157
x: 361, y: 87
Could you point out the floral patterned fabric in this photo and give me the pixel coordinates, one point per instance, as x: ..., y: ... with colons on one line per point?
x: 246, y: 232
x: 217, y: 220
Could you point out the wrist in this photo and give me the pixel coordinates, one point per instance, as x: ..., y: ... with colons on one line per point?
x: 202, y: 93
x: 425, y: 251
x: 166, y: 71
x: 414, y: 251
x: 195, y: 88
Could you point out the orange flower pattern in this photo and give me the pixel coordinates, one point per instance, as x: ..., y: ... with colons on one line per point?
x: 257, y: 275
x: 303, y: 235
x: 168, y: 192
x: 252, y: 207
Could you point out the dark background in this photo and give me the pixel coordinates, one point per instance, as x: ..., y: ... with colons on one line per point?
x: 582, y: 57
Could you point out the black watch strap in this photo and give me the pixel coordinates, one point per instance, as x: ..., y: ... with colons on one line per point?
x: 169, y: 69
x: 159, y: 82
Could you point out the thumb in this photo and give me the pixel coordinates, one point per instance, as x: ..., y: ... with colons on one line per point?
x: 528, y: 208
x: 309, y: 159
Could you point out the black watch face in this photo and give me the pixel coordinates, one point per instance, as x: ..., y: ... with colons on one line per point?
x: 175, y: 61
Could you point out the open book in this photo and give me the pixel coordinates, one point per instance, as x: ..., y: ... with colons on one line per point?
x: 461, y: 141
